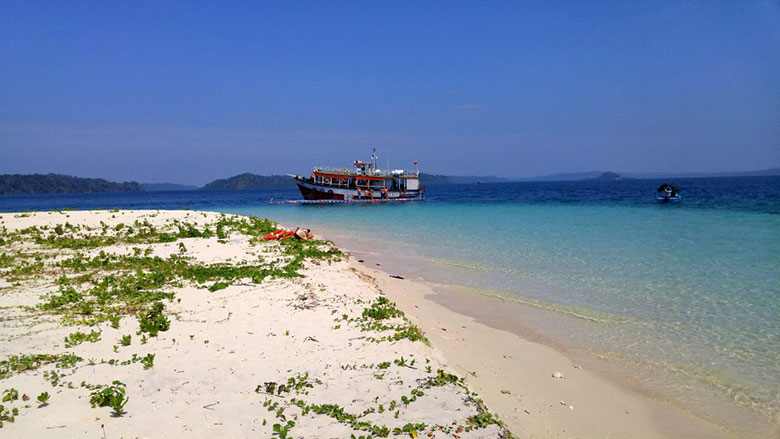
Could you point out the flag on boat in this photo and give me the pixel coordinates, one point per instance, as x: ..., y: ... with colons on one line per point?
x: 415, y: 163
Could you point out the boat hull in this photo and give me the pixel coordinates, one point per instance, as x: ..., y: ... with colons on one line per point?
x: 312, y: 192
x: 673, y: 199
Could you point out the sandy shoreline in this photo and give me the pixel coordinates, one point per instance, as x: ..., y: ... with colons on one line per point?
x: 515, y: 377
x: 611, y: 405
x: 212, y: 367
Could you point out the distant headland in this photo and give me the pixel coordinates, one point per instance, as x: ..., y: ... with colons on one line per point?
x: 14, y: 184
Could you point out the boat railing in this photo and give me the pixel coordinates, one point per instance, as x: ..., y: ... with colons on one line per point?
x: 331, y: 170
x: 373, y: 173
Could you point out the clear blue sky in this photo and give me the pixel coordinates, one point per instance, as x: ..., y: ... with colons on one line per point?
x: 191, y: 91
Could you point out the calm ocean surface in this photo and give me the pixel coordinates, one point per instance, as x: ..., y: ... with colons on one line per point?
x: 687, y: 295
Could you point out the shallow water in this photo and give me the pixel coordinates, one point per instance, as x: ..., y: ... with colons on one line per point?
x: 687, y: 294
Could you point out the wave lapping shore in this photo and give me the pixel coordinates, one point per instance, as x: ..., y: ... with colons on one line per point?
x: 153, y: 323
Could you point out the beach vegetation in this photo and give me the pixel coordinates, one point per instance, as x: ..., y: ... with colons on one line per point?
x: 21, y: 363
x: 282, y: 430
x: 6, y: 415
x: 153, y: 320
x: 78, y: 337
x: 125, y: 340
x: 411, y: 332
x: 113, y: 396
x: 43, y: 399
x: 216, y: 286
x: 379, y: 317
x: 443, y: 378
x: 10, y: 395
x: 410, y: 429
x: 381, y: 309
x: 65, y: 295
x: 147, y: 361
x: 53, y: 377
x: 481, y: 420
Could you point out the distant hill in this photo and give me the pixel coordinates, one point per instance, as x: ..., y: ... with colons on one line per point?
x: 251, y: 181
x: 608, y: 176
x: 757, y: 173
x: 166, y: 187
x: 11, y: 184
x: 434, y: 179
x: 566, y: 176
x: 590, y: 175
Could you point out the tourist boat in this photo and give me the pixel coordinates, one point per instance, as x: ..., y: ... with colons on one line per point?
x: 363, y: 182
x: 668, y: 193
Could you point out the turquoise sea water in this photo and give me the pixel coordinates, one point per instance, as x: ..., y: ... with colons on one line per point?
x: 686, y: 296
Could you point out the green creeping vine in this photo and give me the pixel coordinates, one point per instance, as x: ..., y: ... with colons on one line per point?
x: 21, y: 363
x: 298, y: 383
x: 153, y: 320
x: 131, y: 284
x: 357, y: 422
x: 376, y: 318
x: 76, y: 338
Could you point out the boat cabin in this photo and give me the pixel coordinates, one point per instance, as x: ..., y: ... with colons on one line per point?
x: 363, y: 180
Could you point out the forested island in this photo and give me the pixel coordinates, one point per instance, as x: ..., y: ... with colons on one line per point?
x: 609, y: 175
x: 14, y: 184
x: 251, y: 181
